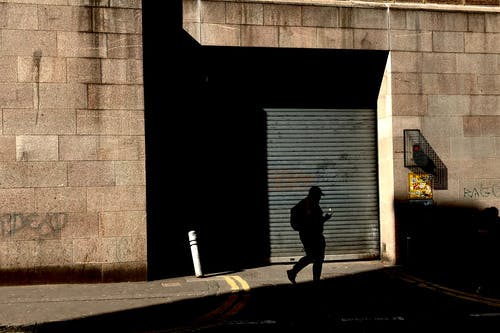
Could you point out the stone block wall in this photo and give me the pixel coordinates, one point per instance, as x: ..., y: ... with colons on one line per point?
x: 442, y: 77
x: 448, y: 88
x: 445, y: 70
x: 72, y: 147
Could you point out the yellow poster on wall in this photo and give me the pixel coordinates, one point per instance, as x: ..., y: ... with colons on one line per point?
x: 420, y: 185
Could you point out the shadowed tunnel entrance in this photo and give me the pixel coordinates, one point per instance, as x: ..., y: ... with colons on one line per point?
x: 206, y: 137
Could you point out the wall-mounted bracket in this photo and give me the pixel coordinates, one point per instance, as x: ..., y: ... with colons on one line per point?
x: 420, y: 157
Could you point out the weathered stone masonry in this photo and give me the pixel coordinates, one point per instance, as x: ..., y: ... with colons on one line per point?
x: 72, y: 143
x: 442, y: 77
x: 72, y: 161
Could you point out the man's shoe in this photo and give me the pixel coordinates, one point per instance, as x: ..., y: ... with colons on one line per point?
x: 291, y: 276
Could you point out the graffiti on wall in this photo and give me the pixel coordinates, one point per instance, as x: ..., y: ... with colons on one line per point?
x: 33, y: 224
x: 482, y: 191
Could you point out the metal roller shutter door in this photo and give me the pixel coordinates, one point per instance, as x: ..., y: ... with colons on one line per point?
x: 337, y: 150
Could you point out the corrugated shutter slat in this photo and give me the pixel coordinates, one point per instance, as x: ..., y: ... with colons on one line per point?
x: 336, y: 150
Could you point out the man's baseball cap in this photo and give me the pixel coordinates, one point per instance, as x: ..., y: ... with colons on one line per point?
x: 315, y: 190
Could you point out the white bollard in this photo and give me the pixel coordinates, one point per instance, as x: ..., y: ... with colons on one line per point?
x: 194, y: 253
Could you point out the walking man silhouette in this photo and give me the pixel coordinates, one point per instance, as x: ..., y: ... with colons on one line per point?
x: 311, y: 235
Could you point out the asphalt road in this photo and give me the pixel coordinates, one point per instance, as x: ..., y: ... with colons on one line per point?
x: 368, y: 302
x: 381, y: 300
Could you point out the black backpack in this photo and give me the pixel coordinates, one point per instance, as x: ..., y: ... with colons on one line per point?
x: 298, y: 215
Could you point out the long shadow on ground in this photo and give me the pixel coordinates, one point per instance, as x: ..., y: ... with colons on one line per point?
x: 363, y: 302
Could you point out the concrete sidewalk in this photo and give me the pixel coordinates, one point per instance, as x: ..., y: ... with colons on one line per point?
x: 22, y: 306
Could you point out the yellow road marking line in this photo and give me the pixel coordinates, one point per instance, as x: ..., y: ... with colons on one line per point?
x: 232, y: 283
x: 449, y: 291
x: 244, y: 298
x: 232, y: 304
x: 242, y: 282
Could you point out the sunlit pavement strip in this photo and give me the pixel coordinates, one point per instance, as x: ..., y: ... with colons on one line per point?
x: 170, y: 284
x: 449, y: 291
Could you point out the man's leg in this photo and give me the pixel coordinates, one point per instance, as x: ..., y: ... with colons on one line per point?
x: 319, y: 257
x: 317, y: 268
x: 299, y: 265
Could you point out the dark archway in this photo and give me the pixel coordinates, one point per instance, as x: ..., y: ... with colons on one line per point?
x: 206, y: 135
